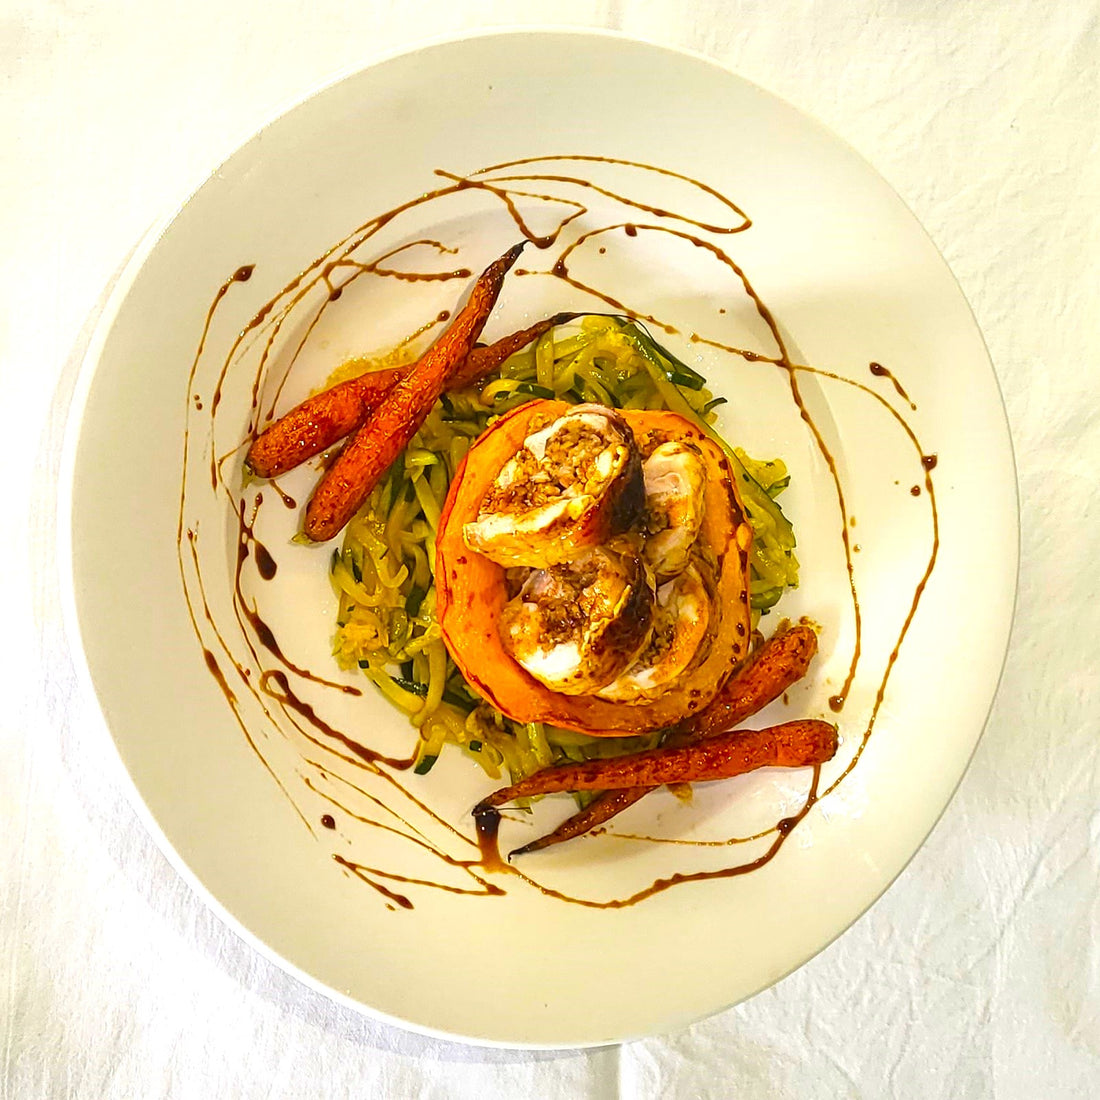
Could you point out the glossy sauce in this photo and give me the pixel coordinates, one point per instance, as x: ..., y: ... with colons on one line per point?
x: 879, y: 371
x: 285, y: 497
x: 782, y: 831
x: 271, y: 686
x: 266, y: 567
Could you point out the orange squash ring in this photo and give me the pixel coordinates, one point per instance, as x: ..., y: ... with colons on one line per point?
x: 470, y: 589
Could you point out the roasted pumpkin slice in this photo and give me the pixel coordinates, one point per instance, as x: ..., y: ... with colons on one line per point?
x: 472, y: 590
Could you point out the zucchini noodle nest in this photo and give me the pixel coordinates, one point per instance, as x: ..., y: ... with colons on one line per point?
x: 383, y: 573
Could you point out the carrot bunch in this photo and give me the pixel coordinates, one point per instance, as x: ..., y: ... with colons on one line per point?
x: 382, y: 410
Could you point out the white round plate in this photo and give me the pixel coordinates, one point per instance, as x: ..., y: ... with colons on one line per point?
x: 236, y: 792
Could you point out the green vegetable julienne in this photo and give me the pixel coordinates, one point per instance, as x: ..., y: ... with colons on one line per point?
x: 383, y: 578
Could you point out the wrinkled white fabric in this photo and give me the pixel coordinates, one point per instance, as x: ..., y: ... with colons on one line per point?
x: 978, y: 974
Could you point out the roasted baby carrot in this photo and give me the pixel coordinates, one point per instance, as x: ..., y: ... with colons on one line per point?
x: 385, y: 434
x: 318, y: 422
x: 605, y: 806
x: 324, y: 419
x: 782, y: 661
x: 483, y: 361
x: 790, y: 745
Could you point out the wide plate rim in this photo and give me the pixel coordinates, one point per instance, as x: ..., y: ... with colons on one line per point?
x: 66, y: 551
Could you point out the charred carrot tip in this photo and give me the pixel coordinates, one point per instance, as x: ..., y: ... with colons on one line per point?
x: 534, y: 846
x: 385, y: 433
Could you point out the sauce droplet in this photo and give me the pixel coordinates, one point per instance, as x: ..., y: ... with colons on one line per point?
x: 879, y: 371
x: 266, y: 565
x: 488, y: 825
x: 328, y: 821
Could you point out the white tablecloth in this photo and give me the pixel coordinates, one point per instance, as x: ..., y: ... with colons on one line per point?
x: 978, y: 974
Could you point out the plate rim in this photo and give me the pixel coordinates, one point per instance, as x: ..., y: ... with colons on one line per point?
x: 65, y: 504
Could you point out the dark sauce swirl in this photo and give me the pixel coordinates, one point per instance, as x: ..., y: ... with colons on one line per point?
x: 252, y: 668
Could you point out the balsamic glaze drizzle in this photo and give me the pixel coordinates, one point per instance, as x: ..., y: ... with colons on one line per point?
x: 265, y: 676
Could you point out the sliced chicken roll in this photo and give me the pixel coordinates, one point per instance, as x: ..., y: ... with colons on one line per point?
x: 573, y: 484
x: 575, y: 627
x: 675, y: 481
x: 681, y: 620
